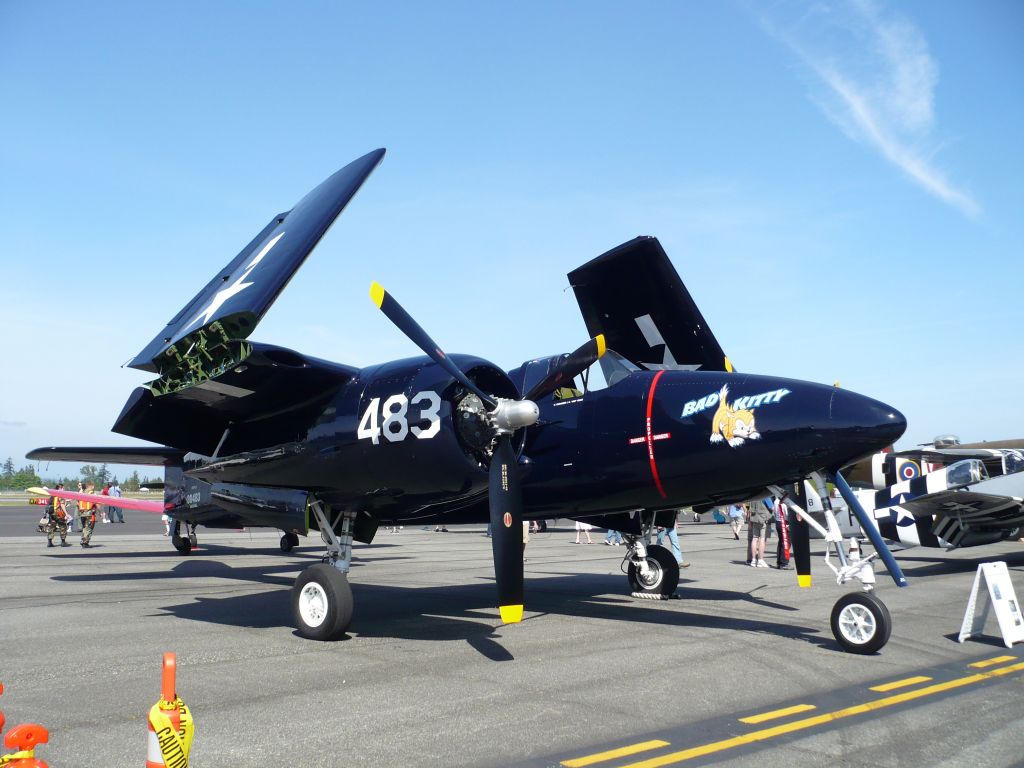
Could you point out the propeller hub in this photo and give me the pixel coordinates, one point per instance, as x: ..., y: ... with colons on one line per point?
x: 510, y: 415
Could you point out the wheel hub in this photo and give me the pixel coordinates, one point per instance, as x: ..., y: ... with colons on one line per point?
x: 652, y: 578
x: 313, y: 604
x: 856, y: 623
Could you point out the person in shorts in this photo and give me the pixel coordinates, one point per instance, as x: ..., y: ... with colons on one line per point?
x: 760, y: 517
x: 736, y: 513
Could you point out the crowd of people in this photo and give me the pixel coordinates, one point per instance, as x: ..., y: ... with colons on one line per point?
x: 63, y: 514
x: 760, y: 518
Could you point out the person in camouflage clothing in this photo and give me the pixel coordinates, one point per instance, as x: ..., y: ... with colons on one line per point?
x: 57, y: 520
x: 87, y: 514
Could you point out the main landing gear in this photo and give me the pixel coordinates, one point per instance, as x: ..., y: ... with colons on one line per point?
x: 184, y: 544
x: 322, y: 603
x: 652, y: 570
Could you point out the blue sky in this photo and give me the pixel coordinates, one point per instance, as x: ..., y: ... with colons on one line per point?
x: 839, y: 185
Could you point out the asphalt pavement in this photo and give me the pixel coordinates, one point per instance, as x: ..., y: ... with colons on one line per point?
x: 741, y: 669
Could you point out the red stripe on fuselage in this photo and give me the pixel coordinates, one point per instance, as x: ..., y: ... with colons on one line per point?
x: 650, y: 436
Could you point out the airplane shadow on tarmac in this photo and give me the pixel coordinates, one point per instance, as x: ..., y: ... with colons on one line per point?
x: 461, y: 613
x: 431, y: 613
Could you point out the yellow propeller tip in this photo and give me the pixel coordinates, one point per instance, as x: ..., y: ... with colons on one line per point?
x: 601, y: 346
x: 377, y: 293
x: 804, y: 581
x: 511, y: 614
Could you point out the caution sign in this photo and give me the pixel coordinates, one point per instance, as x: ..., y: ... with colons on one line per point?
x: 1000, y: 597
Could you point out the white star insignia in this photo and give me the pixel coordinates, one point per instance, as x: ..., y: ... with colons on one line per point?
x: 234, y: 289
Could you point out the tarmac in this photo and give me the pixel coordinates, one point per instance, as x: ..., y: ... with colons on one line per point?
x: 741, y: 669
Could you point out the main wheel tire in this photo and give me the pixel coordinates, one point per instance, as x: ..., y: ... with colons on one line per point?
x: 861, y: 622
x: 183, y: 545
x: 322, y: 602
x: 193, y: 539
x: 663, y: 576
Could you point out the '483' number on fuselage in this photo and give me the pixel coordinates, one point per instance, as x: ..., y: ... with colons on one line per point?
x: 392, y: 418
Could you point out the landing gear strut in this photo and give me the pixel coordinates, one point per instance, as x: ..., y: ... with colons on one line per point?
x: 184, y: 544
x: 860, y: 620
x: 322, y: 603
x: 652, y: 571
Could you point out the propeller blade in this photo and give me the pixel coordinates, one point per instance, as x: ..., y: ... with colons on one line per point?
x: 507, y: 530
x: 575, y: 363
x: 387, y: 304
x: 800, y: 537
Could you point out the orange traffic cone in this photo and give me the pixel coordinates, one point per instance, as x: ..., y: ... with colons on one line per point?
x: 23, y: 739
x: 169, y: 723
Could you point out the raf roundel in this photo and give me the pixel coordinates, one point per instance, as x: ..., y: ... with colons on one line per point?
x: 909, y: 470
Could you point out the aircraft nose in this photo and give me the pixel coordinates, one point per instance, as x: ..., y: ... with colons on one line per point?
x: 866, y: 425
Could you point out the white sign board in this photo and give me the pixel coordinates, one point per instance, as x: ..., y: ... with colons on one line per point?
x: 1000, y: 595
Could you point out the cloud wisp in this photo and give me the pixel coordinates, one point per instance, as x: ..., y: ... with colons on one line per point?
x: 879, y: 85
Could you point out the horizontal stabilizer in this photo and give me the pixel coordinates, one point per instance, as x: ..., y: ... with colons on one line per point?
x: 150, y: 456
x: 232, y: 303
x: 633, y: 295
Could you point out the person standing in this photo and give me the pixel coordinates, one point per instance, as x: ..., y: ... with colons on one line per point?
x: 585, y: 528
x: 104, y: 510
x: 115, y: 492
x: 782, y: 529
x: 736, y: 513
x: 613, y: 537
x: 87, y: 513
x: 759, y: 518
x: 673, y: 540
x: 57, y: 520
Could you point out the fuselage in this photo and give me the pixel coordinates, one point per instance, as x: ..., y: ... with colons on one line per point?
x: 398, y: 443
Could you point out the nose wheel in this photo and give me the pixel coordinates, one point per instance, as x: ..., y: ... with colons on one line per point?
x: 861, y: 622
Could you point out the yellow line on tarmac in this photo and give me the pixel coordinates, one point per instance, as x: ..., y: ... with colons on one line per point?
x: 899, y: 684
x: 611, y: 754
x: 990, y: 662
x: 809, y: 722
x: 775, y: 714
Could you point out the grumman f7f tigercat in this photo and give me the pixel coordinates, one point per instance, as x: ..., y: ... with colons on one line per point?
x: 251, y: 434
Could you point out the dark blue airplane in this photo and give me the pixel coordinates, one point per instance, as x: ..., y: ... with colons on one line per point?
x: 619, y: 433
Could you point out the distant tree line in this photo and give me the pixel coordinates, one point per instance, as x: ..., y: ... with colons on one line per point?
x: 12, y: 479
